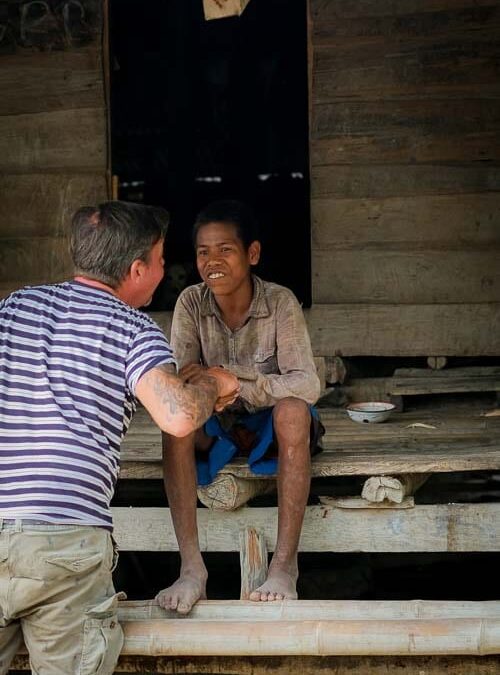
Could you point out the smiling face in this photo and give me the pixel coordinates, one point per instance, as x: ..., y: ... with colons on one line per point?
x: 222, y: 260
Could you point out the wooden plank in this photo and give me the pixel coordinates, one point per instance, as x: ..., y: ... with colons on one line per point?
x: 465, y: 220
x: 401, y: 22
x: 42, y: 258
x: 37, y: 81
x: 62, y: 139
x: 304, y: 665
x: 378, y: 273
x: 405, y: 330
x: 41, y: 204
x: 401, y: 181
x: 463, y: 441
x: 407, y: 381
x: 321, y: 10
x: 406, y: 131
x: 374, y: 73
x: 367, y: 459
x: 443, y: 527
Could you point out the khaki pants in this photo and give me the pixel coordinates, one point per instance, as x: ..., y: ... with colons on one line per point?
x: 56, y: 591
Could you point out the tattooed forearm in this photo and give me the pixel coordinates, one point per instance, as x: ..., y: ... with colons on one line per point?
x: 171, y: 401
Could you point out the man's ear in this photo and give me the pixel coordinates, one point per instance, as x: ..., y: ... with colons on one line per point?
x: 254, y: 252
x: 136, y: 269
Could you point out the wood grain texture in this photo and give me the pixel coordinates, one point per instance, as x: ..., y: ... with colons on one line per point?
x: 321, y: 10
x: 424, y: 381
x: 446, y: 222
x: 454, y: 442
x: 63, y: 139
x: 398, y: 131
x: 402, y: 181
x: 303, y: 665
x: 37, y: 81
x: 42, y: 204
x: 34, y: 260
x: 382, y: 275
x: 443, y: 527
x: 405, y: 330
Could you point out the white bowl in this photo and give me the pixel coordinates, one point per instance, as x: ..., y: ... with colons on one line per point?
x: 370, y: 411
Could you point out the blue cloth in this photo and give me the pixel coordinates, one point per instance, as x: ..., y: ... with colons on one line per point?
x: 224, y: 448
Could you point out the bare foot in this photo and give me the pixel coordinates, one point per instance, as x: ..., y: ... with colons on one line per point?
x: 184, y: 593
x: 279, y: 585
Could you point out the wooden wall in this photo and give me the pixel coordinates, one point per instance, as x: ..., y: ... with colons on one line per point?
x: 405, y: 174
x: 53, y: 132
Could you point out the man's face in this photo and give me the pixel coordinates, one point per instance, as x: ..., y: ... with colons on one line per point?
x: 221, y: 258
x: 153, y: 271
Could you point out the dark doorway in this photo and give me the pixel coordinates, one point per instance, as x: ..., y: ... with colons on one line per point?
x: 202, y: 110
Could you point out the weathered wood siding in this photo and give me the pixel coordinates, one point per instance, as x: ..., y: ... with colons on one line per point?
x: 405, y: 173
x: 53, y: 133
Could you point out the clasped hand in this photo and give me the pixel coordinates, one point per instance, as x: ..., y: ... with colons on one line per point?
x: 227, y: 383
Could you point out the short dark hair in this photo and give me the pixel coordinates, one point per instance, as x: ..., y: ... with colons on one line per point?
x: 106, y: 239
x: 232, y: 212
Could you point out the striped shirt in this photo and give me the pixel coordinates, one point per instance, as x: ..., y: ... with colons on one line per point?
x: 70, y: 358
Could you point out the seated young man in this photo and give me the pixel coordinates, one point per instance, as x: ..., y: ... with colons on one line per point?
x: 256, y: 330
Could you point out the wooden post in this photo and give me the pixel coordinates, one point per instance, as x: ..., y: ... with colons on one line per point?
x: 253, y: 561
x: 228, y: 492
x: 393, y: 489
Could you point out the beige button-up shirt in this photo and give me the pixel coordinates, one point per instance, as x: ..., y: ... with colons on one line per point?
x: 270, y: 354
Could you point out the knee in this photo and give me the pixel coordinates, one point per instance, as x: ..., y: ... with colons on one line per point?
x: 292, y: 416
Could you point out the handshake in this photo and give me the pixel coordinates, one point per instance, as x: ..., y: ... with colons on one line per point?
x: 228, y: 386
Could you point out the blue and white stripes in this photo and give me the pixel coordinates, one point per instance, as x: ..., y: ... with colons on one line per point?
x: 70, y: 358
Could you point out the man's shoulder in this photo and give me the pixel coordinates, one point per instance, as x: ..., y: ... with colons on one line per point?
x: 276, y: 294
x: 193, y: 296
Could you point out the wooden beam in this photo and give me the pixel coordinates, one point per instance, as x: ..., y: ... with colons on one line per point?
x: 253, y: 561
x: 424, y: 381
x: 405, y: 330
x: 441, y: 527
x: 63, y: 139
x: 42, y: 204
x: 303, y: 665
x: 379, y: 273
x: 37, y: 81
x: 449, y: 442
x: 228, y: 492
x: 472, y: 221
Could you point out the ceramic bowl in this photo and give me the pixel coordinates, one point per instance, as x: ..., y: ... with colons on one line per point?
x: 370, y: 411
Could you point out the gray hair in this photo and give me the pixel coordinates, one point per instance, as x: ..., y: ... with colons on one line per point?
x: 106, y: 239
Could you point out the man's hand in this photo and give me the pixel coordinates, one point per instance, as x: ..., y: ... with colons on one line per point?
x: 227, y: 383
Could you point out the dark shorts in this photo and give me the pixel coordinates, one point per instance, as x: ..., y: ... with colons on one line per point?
x: 250, y: 435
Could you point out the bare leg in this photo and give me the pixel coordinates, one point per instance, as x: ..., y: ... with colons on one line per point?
x: 180, y: 484
x: 292, y: 421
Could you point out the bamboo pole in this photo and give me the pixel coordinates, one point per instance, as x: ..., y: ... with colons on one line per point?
x: 287, y: 610
x: 186, y: 637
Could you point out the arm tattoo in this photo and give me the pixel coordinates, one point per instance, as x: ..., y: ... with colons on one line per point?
x: 194, y: 401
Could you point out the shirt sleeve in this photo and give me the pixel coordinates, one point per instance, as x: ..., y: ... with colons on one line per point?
x: 149, y: 348
x: 185, y: 338
x: 297, y: 375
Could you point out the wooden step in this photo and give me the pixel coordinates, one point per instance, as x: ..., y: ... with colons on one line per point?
x: 411, y: 442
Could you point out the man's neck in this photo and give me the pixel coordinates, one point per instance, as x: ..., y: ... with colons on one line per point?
x: 234, y: 308
x: 96, y: 284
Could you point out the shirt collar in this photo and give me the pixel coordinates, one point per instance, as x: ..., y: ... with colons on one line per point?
x: 259, y: 308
